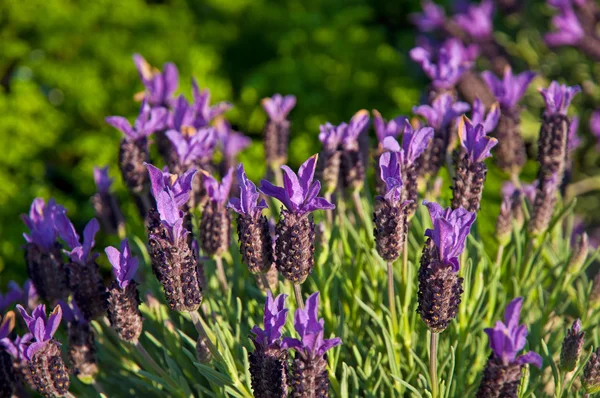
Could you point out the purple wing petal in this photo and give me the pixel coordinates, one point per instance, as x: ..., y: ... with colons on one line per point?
x: 122, y: 124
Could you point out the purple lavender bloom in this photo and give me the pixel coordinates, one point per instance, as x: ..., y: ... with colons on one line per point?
x: 447, y: 66
x: 218, y: 192
x: 248, y: 203
x: 573, y: 140
x: 331, y: 136
x: 311, y: 331
x: 414, y: 142
x: 278, y: 107
x: 16, y: 348
x: 558, y: 97
x: 357, y: 125
x: 232, y: 142
x: 477, y: 20
x: 442, y: 111
x: 384, y: 129
x: 568, y: 28
x: 193, y: 144
x: 432, y: 18
x: 148, y: 121
x: 450, y: 230
x: 391, y: 173
x: 510, y: 89
x: 102, y: 180
x: 489, y: 121
x: 160, y: 86
x: 299, y: 192
x: 508, y: 338
x: 595, y: 125
x: 274, y: 321
x: 183, y: 115
x: 123, y: 263
x: 41, y: 222
x: 80, y: 253
x: 71, y: 312
x: 204, y: 112
x: 13, y: 295
x: 474, y: 140
x: 41, y: 327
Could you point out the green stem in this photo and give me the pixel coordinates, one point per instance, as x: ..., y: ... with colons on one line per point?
x: 298, y: 294
x: 265, y: 282
x: 202, y: 332
x: 359, y: 208
x: 499, y: 255
x: 221, y: 274
x: 99, y: 388
x: 433, y: 343
x: 152, y: 363
x: 391, y: 295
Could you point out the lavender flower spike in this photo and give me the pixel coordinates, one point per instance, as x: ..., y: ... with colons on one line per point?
x: 204, y: 112
x: 268, y: 362
x: 595, y: 126
x: 477, y: 21
x: 502, y: 374
x: 278, y: 106
x: 330, y: 158
x: 105, y: 203
x: 123, y: 263
x: 148, y: 121
x: 569, y: 31
x: 558, y: 97
x: 384, y: 129
x: 216, y: 220
x: 510, y: 89
x: 308, y: 373
x: 160, y: 86
x: 102, y: 180
x: 489, y: 120
x: 8, y: 377
x: 432, y: 17
x: 249, y: 202
x: 474, y: 141
x: 353, y: 160
x: 14, y: 294
x: 82, y: 342
x: 232, y: 142
x: 277, y: 129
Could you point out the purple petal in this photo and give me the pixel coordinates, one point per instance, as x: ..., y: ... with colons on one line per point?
x: 532, y: 358
x: 122, y: 124
x: 275, y: 192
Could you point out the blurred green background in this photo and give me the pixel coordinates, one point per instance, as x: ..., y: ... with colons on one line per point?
x: 66, y: 65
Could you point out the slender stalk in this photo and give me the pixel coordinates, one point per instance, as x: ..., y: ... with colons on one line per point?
x: 359, y: 208
x: 265, y: 282
x: 200, y: 329
x: 150, y: 361
x: 298, y: 294
x: 99, y: 388
x: 433, y: 343
x: 499, y: 255
x: 329, y: 213
x: 221, y: 274
x: 391, y: 294
x: 405, y: 260
x: 69, y: 395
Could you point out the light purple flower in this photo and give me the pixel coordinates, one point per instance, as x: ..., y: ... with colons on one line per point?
x: 447, y: 66
x: 102, y: 180
x: 474, y: 141
x: 248, y: 203
x: 573, y: 140
x: 71, y: 312
x: 568, y: 28
x: 595, y: 125
x: 16, y: 348
x: 278, y: 107
x: 477, y: 20
x: 558, y: 97
x: 311, y: 331
x: 182, y: 115
x: 275, y: 315
x: 232, y: 142
x: 390, y: 169
x: 13, y: 295
x: 160, y: 86
x: 192, y: 144
x: 414, y: 142
x: 508, y: 338
x: 148, y: 121
x: 41, y: 327
x: 80, y: 253
x: 357, y: 125
x: 489, y: 121
x: 331, y: 136
x: 529, y: 190
x: 442, y: 111
x: 299, y: 192
x: 510, y: 89
x: 383, y: 129
x: 204, y: 112
x: 41, y: 222
x: 218, y: 192
x: 449, y: 233
x: 123, y: 263
x: 432, y: 18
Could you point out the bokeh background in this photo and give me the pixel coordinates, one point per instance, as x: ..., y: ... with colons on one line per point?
x: 66, y: 64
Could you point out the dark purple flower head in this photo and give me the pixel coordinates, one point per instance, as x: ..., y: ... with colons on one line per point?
x: 568, y: 28
x: 204, y: 112
x: 510, y: 89
x: 278, y: 107
x: 71, y: 312
x: 383, y: 129
x: 248, y: 203
x: 102, y: 180
x: 449, y: 233
x: 41, y: 222
x: 477, y: 20
x: 148, y: 121
x: 442, y: 111
x: 299, y: 192
x: 311, y: 331
x: 7, y: 324
x: 474, y: 141
x: 573, y: 140
x: 432, y: 17
x: 558, y: 97
x: 218, y: 192
x: 508, y: 338
x: 357, y: 125
x: 232, y: 142
x: 595, y: 125
x: 80, y: 253
x: 414, y: 142
x: 331, y: 136
x: 274, y: 320
x: 447, y: 66
x: 191, y: 144
x: 123, y: 263
x: 489, y: 121
x: 41, y: 327
x: 160, y: 86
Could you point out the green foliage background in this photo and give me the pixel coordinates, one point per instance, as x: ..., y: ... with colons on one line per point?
x: 66, y: 64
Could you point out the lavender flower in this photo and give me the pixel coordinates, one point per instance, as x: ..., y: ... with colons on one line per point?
x: 123, y: 296
x: 102, y: 180
x: 294, y: 250
x: 352, y: 167
x: 474, y: 141
x: 278, y: 106
x: 159, y: 86
x: 204, y: 112
x: 571, y: 347
x: 511, y: 210
x: 277, y: 129
x: 308, y: 374
x: 105, y: 204
x: 489, y: 120
x: 15, y: 370
x: 216, y: 221
x: 232, y: 143
x: 43, y: 255
x: 191, y: 146
x: 432, y: 18
x: 595, y: 126
x: 543, y: 206
x: 48, y: 371
x: 7, y: 373
x: 256, y: 245
x: 477, y: 20
x: 148, y: 121
x: 12, y: 296
x: 329, y: 166
x: 268, y: 362
x: 569, y: 31
x: 558, y: 97
x: 510, y: 89
x: 502, y: 374
x: 591, y: 373
x: 384, y: 128
x: 82, y: 343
